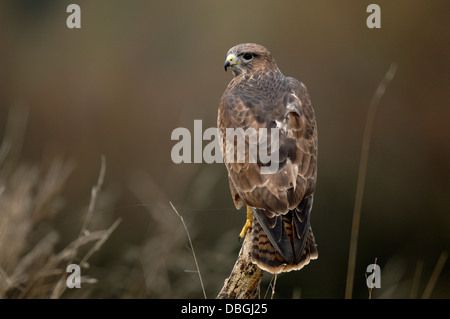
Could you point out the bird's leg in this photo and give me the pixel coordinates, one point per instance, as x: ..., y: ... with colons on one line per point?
x: 248, y: 222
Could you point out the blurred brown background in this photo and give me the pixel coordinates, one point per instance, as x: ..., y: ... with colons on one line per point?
x: 136, y: 70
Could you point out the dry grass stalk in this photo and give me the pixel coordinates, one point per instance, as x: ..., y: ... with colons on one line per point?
x: 29, y: 265
x: 416, y: 280
x: 435, y: 275
x: 371, y: 284
x: 192, y: 249
x: 86, y: 236
x: 362, y: 176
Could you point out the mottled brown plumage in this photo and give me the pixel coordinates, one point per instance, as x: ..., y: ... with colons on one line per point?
x: 260, y: 96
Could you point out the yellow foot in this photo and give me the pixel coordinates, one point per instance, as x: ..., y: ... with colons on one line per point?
x: 248, y: 223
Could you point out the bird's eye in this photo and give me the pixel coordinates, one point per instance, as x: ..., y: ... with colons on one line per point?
x: 248, y: 56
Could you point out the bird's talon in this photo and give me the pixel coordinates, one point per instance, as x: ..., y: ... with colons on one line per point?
x: 248, y: 223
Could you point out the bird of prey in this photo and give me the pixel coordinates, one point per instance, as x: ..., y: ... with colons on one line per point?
x: 278, y: 203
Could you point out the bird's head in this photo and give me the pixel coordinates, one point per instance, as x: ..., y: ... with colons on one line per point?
x: 248, y: 58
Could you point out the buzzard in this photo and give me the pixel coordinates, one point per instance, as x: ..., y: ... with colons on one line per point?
x: 278, y: 203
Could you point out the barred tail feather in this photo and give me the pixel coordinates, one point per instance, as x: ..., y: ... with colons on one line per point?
x: 283, y: 243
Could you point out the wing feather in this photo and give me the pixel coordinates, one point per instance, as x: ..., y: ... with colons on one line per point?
x: 298, y: 142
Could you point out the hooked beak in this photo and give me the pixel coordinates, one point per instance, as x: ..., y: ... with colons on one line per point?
x: 226, y: 65
x: 230, y: 61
